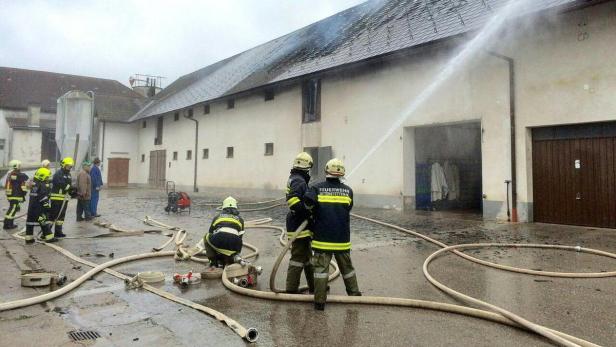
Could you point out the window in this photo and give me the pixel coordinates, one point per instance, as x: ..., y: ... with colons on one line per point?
x: 2, y: 144
x: 144, y: 124
x: 143, y: 158
x: 190, y: 113
x: 158, y: 140
x: 269, y: 148
x: 230, y: 104
x: 176, y: 116
x: 269, y: 94
x: 189, y: 155
x: 311, y: 101
x: 206, y: 153
x: 175, y: 157
x: 206, y: 109
x: 229, y: 152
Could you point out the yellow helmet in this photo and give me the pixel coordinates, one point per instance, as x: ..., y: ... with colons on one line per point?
x: 302, y: 161
x: 229, y: 202
x: 15, y: 164
x: 68, y: 161
x: 334, y: 168
x: 42, y: 174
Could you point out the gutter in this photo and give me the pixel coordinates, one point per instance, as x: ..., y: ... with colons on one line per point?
x: 512, y: 114
x: 195, y: 189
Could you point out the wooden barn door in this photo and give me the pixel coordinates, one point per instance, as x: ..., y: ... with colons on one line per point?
x: 574, y: 179
x: 117, y: 175
x: 158, y: 161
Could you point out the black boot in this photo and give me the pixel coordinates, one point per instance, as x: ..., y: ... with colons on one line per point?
x: 59, y: 233
x: 319, y: 306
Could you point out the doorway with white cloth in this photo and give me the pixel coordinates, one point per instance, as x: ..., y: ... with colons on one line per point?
x: 448, y: 167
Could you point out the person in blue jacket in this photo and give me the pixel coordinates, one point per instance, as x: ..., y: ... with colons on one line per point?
x: 97, y: 185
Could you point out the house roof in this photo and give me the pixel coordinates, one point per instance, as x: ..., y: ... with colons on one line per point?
x: 368, y: 30
x: 114, y: 108
x: 20, y: 87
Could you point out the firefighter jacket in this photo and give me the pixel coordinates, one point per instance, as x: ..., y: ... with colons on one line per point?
x: 330, y: 202
x: 297, y: 185
x: 61, y: 184
x: 229, y: 218
x: 15, y: 185
x: 39, y: 202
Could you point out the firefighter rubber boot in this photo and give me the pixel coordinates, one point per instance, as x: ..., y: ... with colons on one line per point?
x: 48, y: 236
x: 58, y: 232
x: 29, y: 237
x: 319, y: 306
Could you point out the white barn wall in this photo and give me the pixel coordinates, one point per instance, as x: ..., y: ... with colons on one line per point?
x: 120, y: 141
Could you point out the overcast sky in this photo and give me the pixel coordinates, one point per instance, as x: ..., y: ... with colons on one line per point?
x: 118, y: 38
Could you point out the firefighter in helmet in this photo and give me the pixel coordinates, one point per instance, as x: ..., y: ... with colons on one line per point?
x: 38, y: 207
x: 297, y: 185
x: 61, y: 191
x: 330, y: 203
x: 15, y: 188
x: 223, y: 242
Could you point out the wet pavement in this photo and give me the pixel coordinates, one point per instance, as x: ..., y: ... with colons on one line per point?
x: 388, y: 263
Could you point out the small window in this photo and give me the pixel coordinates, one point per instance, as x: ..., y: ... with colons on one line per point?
x: 269, y: 148
x: 2, y: 144
x: 176, y: 116
x: 311, y: 101
x: 269, y: 94
x: 188, y: 155
x: 143, y: 158
x: 229, y: 152
x: 144, y: 124
x: 206, y: 153
x: 190, y: 113
x: 230, y: 104
x: 175, y: 156
x: 206, y: 109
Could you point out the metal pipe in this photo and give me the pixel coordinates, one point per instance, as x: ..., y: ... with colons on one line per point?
x: 89, y: 152
x: 195, y: 189
x: 514, y: 181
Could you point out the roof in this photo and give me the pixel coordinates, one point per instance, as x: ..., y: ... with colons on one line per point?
x: 18, y: 122
x: 20, y: 87
x: 371, y: 29
x: 113, y: 108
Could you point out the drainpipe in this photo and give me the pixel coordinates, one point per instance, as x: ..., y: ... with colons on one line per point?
x: 514, y: 191
x: 195, y: 189
x: 89, y: 152
x: 103, y: 143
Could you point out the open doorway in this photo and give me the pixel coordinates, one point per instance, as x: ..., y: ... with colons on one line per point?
x: 448, y: 167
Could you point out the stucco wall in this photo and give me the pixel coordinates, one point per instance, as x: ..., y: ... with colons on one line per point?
x: 27, y: 146
x: 120, y: 141
x: 4, y: 134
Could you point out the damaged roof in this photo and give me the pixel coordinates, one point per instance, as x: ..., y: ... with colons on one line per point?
x: 21, y: 87
x: 368, y: 30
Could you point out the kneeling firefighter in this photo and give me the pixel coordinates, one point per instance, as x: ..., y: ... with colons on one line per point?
x: 223, y: 242
x: 38, y: 207
x: 15, y: 188
x: 61, y: 191
x: 330, y: 203
x: 297, y: 185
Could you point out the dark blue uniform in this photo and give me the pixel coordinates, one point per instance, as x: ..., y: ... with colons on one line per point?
x: 15, y: 188
x: 224, y: 239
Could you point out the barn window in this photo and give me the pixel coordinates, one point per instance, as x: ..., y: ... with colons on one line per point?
x: 206, y: 109
x: 229, y: 152
x: 190, y: 113
x: 158, y: 140
x: 144, y: 124
x: 269, y: 94
x: 143, y: 158
x: 311, y: 101
x: 230, y: 104
x: 206, y: 153
x: 269, y: 148
x: 188, y: 155
x: 176, y: 116
x: 175, y: 156
x: 2, y: 144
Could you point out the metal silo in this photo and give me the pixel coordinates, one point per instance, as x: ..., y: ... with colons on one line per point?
x: 74, y: 118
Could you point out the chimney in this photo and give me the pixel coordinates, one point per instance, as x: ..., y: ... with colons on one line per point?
x: 34, y: 115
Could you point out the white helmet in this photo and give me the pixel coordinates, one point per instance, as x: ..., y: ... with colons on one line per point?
x: 334, y: 168
x: 302, y: 161
x: 15, y: 164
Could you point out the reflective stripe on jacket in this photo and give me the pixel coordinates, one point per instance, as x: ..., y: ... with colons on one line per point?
x: 297, y: 185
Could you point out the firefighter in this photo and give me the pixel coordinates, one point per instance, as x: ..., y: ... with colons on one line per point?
x: 330, y: 203
x: 38, y: 207
x: 15, y: 188
x: 61, y: 190
x: 297, y: 185
x: 223, y: 241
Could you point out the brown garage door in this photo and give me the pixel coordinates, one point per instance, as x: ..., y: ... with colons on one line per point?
x: 118, y: 172
x: 574, y: 175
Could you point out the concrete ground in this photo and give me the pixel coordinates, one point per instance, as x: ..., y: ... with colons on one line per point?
x: 388, y: 263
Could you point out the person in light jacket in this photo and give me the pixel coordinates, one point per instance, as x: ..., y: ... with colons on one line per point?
x: 84, y: 192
